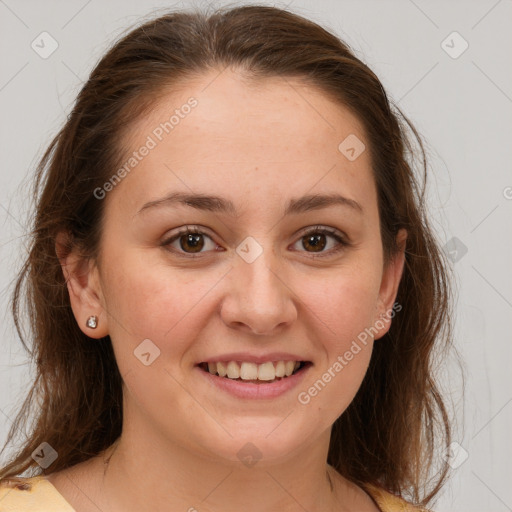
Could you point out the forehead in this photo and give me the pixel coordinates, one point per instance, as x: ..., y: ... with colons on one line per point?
x: 222, y: 132
x: 273, y: 111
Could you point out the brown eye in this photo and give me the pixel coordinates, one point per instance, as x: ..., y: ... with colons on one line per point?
x: 315, y: 242
x: 322, y: 241
x: 192, y: 242
x: 189, y: 242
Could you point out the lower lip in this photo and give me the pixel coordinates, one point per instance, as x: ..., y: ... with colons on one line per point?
x: 242, y: 389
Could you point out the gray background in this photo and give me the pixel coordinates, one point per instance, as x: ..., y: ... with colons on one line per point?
x: 463, y: 108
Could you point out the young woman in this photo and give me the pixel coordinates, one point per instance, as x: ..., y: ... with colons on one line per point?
x: 234, y: 292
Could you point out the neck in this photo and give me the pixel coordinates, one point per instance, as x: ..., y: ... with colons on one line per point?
x: 148, y: 472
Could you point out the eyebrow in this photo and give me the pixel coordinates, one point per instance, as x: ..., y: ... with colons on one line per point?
x: 221, y: 205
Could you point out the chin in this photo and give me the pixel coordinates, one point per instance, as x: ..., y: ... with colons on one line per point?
x: 264, y: 447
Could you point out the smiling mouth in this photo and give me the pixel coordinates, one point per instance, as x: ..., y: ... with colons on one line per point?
x: 266, y: 373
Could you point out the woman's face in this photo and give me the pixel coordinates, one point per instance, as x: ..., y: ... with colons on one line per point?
x: 287, y: 266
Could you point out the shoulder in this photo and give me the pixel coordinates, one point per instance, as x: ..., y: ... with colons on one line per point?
x: 34, y: 494
x: 388, y: 502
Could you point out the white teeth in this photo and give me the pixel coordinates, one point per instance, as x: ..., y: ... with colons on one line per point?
x: 251, y: 371
x: 266, y: 371
x: 221, y: 369
x: 233, y: 370
x: 280, y: 371
x: 288, y: 367
x: 248, y: 371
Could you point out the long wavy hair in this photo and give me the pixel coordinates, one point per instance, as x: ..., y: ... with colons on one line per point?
x: 397, y: 424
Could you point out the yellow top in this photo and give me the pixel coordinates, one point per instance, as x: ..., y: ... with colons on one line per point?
x: 37, y: 494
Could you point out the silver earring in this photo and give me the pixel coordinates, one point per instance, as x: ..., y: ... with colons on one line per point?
x: 92, y: 322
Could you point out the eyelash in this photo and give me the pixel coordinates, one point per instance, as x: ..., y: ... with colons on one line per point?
x: 342, y: 242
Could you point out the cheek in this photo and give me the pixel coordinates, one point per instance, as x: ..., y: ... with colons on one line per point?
x: 344, y: 302
x: 343, y: 308
x: 156, y: 302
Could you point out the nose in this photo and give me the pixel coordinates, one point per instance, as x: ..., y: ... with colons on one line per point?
x: 258, y: 298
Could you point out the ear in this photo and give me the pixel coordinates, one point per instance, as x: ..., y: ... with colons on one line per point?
x: 390, y: 282
x: 83, y: 283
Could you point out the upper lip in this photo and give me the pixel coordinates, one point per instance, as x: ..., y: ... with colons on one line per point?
x: 253, y: 358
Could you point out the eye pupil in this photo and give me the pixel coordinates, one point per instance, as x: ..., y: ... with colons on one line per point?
x: 317, y: 241
x: 194, y: 240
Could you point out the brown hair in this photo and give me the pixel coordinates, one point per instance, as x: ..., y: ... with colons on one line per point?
x: 390, y: 433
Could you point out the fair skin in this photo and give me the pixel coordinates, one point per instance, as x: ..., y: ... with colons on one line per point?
x: 258, y: 146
